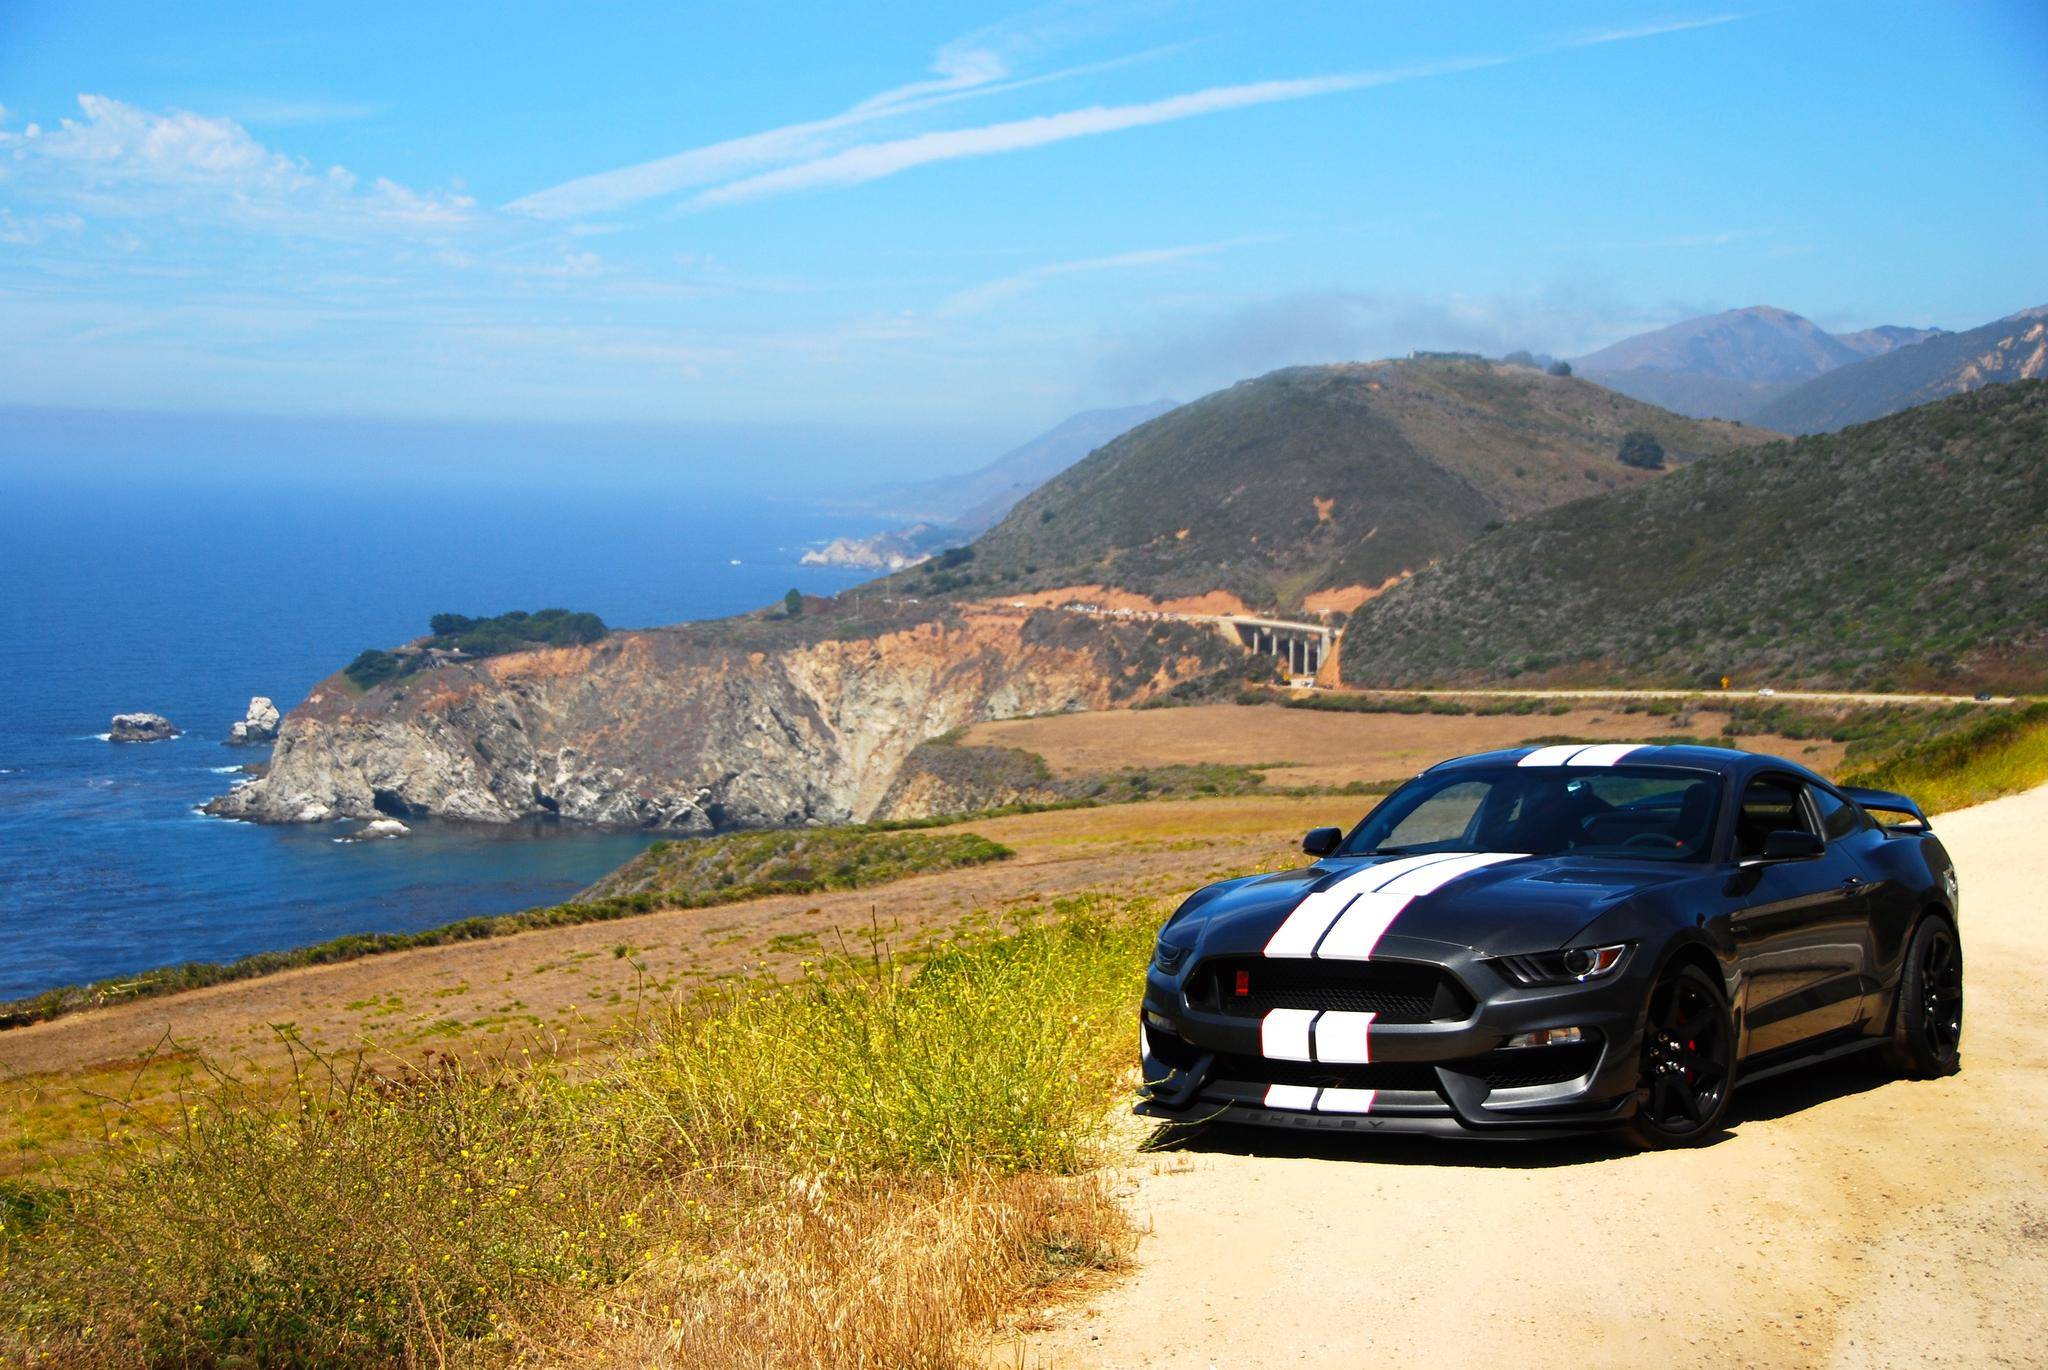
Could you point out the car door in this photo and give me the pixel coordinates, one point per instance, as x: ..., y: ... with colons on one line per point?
x: 1801, y: 927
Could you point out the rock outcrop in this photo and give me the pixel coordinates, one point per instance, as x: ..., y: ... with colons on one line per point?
x: 140, y: 727
x: 741, y: 723
x: 258, y: 725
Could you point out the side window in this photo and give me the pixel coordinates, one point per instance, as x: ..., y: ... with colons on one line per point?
x: 1443, y: 817
x: 1770, y: 803
x: 1838, y: 817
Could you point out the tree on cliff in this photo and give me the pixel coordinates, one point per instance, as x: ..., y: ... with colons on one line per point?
x: 793, y: 603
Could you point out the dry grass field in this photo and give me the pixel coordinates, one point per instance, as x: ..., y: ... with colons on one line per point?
x: 1325, y: 748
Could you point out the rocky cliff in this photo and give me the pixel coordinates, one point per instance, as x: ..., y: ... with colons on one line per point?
x: 742, y: 723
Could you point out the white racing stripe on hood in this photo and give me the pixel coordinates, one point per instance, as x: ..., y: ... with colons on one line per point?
x: 1298, y: 934
x: 1366, y: 920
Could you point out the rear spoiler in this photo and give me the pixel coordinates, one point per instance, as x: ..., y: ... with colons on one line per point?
x: 1888, y: 802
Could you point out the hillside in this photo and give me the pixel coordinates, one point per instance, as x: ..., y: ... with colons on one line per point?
x: 1910, y: 551
x: 2013, y: 348
x: 1332, y: 479
x: 952, y: 509
x: 1728, y: 365
x: 975, y: 500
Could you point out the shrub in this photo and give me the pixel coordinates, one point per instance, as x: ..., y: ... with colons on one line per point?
x: 373, y: 668
x: 1640, y: 449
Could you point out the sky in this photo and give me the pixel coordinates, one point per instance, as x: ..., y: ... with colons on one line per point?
x: 900, y: 236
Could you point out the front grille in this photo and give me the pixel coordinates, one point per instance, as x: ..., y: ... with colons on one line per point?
x: 1411, y: 1075
x: 1397, y: 991
x: 1529, y: 1065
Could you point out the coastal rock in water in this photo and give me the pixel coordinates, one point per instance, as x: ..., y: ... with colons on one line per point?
x: 705, y: 727
x: 141, y: 728
x: 382, y: 827
x: 894, y: 551
x: 258, y: 725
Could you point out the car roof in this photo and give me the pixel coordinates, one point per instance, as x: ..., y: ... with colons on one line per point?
x: 1727, y: 761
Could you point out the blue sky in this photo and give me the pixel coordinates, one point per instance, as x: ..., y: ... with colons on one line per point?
x: 967, y: 221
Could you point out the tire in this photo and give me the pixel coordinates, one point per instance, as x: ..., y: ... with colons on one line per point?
x: 1927, y: 1024
x: 1688, y: 1068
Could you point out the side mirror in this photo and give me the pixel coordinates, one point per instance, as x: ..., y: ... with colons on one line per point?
x: 1322, y: 841
x: 1789, y: 844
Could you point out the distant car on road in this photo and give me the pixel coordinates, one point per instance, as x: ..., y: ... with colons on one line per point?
x: 1983, y: 696
x: 1559, y: 939
x: 1767, y: 691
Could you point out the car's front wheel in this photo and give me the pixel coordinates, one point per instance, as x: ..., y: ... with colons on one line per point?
x: 1688, y: 1060
x: 1927, y: 1029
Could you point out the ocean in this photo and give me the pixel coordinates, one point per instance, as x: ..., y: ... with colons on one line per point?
x: 186, y: 597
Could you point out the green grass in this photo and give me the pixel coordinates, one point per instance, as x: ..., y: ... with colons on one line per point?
x: 699, y: 873
x: 2003, y: 754
x: 706, y: 1188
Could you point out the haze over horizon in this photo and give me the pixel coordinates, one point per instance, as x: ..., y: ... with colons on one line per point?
x: 835, y: 244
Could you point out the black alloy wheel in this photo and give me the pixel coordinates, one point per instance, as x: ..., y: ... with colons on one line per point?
x: 1688, y: 1061
x: 1927, y: 1029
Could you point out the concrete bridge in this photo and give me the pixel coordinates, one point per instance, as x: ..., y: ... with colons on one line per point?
x: 1304, y: 646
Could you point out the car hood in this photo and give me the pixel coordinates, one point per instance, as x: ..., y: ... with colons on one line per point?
x: 1516, y: 904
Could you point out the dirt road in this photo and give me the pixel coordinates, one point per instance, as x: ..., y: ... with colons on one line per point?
x: 1846, y: 1219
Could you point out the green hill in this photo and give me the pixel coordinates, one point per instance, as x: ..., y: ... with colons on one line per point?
x: 1910, y: 551
x: 1318, y: 478
x: 2013, y: 348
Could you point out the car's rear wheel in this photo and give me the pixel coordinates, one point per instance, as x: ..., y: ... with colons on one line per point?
x: 1688, y: 1060
x: 1927, y: 1029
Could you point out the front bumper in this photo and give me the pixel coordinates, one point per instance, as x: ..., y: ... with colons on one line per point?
x: 1448, y: 1076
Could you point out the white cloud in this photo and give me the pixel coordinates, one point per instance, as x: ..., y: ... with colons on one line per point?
x: 120, y: 160
x: 872, y: 161
x: 980, y: 297
x: 979, y: 65
x: 1656, y: 30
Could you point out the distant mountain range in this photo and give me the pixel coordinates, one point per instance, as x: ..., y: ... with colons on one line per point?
x: 2013, y: 348
x: 1729, y: 365
x: 951, y: 510
x: 1316, y: 487
x: 1912, y: 551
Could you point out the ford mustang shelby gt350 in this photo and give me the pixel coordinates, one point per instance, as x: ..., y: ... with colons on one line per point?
x: 1561, y: 938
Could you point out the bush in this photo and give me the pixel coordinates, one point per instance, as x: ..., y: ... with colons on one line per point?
x: 373, y: 668
x: 1640, y: 449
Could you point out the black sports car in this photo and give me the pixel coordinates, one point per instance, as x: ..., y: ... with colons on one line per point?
x: 1559, y: 939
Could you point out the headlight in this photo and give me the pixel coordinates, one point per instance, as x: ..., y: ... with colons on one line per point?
x: 1169, y: 956
x: 1572, y: 966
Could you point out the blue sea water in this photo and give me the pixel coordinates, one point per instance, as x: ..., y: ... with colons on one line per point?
x: 185, y: 597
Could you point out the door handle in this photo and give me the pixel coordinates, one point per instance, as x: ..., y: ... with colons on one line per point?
x: 1854, y: 883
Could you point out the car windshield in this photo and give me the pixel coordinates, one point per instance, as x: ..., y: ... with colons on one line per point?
x: 1634, y: 812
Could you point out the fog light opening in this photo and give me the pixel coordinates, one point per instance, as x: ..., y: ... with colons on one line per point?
x: 1547, y: 1037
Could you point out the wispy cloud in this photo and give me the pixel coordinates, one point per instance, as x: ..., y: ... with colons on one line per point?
x: 1629, y: 33
x: 977, y: 298
x: 873, y: 161
x: 982, y: 64
x: 122, y: 161
x: 266, y: 111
